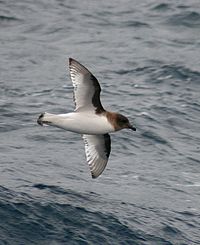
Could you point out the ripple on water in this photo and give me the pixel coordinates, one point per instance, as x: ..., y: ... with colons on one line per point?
x: 190, y: 19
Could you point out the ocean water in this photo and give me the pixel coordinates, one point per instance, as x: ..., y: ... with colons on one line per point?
x: 146, y: 56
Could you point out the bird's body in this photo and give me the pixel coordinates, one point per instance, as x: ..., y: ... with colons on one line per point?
x: 89, y: 119
x: 80, y: 122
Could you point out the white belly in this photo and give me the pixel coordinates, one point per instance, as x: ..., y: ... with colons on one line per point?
x: 79, y: 122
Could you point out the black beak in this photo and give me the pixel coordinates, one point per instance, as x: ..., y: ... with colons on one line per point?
x: 131, y: 127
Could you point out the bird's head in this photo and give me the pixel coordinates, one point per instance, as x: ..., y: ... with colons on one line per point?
x: 118, y: 121
x: 123, y: 122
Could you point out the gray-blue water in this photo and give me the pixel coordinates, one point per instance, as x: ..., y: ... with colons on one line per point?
x: 146, y: 55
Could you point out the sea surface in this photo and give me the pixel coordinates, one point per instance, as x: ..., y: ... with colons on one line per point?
x: 146, y: 56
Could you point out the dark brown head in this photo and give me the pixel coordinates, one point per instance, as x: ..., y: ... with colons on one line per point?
x: 123, y: 122
x: 119, y: 121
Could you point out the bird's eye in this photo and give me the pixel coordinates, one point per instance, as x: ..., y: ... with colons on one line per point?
x: 123, y: 120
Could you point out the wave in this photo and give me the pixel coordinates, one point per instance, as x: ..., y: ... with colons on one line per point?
x: 31, y: 221
x: 189, y: 19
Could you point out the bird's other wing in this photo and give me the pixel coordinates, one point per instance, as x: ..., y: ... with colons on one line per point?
x: 97, y: 149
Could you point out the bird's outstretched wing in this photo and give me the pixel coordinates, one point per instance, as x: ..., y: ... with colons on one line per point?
x: 86, y: 88
x: 97, y: 149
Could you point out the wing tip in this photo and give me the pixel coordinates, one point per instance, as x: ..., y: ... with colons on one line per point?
x: 70, y: 60
x: 96, y: 173
x: 75, y: 63
x: 94, y: 176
